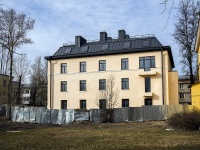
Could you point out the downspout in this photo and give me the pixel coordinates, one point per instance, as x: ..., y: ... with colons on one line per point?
x: 50, y: 90
x: 163, y: 99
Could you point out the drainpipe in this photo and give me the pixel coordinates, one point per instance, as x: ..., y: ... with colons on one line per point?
x: 50, y: 90
x: 163, y: 99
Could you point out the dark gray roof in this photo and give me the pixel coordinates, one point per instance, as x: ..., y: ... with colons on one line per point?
x: 111, y: 47
x: 114, y: 45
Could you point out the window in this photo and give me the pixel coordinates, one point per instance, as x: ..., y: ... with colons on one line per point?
x: 124, y: 64
x: 82, y: 85
x: 4, y: 83
x: 181, y: 86
x: 84, y: 49
x: 63, y: 104
x: 102, y: 65
x: 82, y: 104
x: 82, y: 66
x: 4, y: 93
x: 147, y: 84
x: 147, y: 63
x: 102, y: 104
x: 105, y: 47
x: 148, y: 101
x: 102, y: 84
x: 127, y: 45
x: 68, y: 50
x: 125, y: 83
x: 26, y: 91
x: 181, y: 95
x: 64, y: 68
x: 63, y: 86
x: 125, y: 102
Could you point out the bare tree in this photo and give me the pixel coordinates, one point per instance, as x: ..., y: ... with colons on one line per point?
x: 38, y: 80
x: 13, y: 33
x: 20, y: 68
x: 109, y: 97
x: 185, y: 35
x: 4, y: 60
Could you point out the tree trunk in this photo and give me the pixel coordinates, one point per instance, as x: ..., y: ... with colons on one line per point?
x: 10, y: 86
x: 19, y: 90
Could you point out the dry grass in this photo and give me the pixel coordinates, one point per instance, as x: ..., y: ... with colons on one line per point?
x: 139, y: 135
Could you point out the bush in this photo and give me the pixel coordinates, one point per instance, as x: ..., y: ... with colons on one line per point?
x: 185, y: 120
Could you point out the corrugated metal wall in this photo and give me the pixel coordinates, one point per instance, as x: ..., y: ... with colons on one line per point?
x: 55, y: 116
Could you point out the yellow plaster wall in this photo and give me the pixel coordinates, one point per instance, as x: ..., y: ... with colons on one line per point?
x: 173, y: 88
x: 195, y: 92
x: 136, y: 90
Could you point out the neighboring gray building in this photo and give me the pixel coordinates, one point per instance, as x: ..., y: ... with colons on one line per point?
x: 184, y: 90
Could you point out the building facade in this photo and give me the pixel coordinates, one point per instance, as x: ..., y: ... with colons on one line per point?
x: 184, y: 90
x: 195, y: 89
x: 141, y: 68
x: 4, y: 80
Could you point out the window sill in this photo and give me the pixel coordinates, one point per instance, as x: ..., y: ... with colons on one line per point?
x: 148, y: 94
x: 82, y: 91
x: 63, y: 91
x: 125, y: 89
x: 148, y: 73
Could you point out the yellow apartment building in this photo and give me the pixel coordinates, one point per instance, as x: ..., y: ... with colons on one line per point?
x: 195, y: 89
x: 141, y: 67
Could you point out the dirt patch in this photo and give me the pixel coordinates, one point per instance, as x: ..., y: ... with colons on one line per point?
x: 7, y: 125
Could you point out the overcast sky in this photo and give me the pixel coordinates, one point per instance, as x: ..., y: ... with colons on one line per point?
x: 59, y: 21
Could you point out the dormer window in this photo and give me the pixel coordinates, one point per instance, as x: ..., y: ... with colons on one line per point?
x: 127, y: 45
x: 145, y: 43
x: 105, y: 47
x: 84, y: 49
x: 68, y: 50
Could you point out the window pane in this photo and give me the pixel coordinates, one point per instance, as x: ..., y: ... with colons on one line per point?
x: 64, y: 68
x: 102, y: 84
x: 152, y: 62
x: 82, y: 66
x: 124, y: 64
x: 147, y: 84
x: 125, y: 102
x: 63, y: 104
x: 102, y: 104
x: 102, y: 65
x: 125, y: 83
x: 147, y: 63
x: 83, y: 85
x: 63, y: 85
x: 141, y: 63
x: 148, y: 101
x: 82, y: 104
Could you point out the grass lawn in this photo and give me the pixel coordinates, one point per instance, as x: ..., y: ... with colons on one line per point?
x: 137, y: 135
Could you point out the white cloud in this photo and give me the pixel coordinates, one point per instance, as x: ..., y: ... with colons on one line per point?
x: 59, y: 21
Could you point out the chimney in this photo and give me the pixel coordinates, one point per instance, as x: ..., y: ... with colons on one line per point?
x: 103, y: 36
x: 121, y: 34
x: 109, y: 39
x: 79, y: 41
x: 127, y: 36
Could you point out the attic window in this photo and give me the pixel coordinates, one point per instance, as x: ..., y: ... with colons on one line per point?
x: 145, y: 43
x: 84, y: 49
x: 127, y: 45
x: 68, y: 50
x: 105, y: 47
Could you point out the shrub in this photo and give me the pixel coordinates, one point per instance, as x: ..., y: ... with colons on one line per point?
x: 185, y: 120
